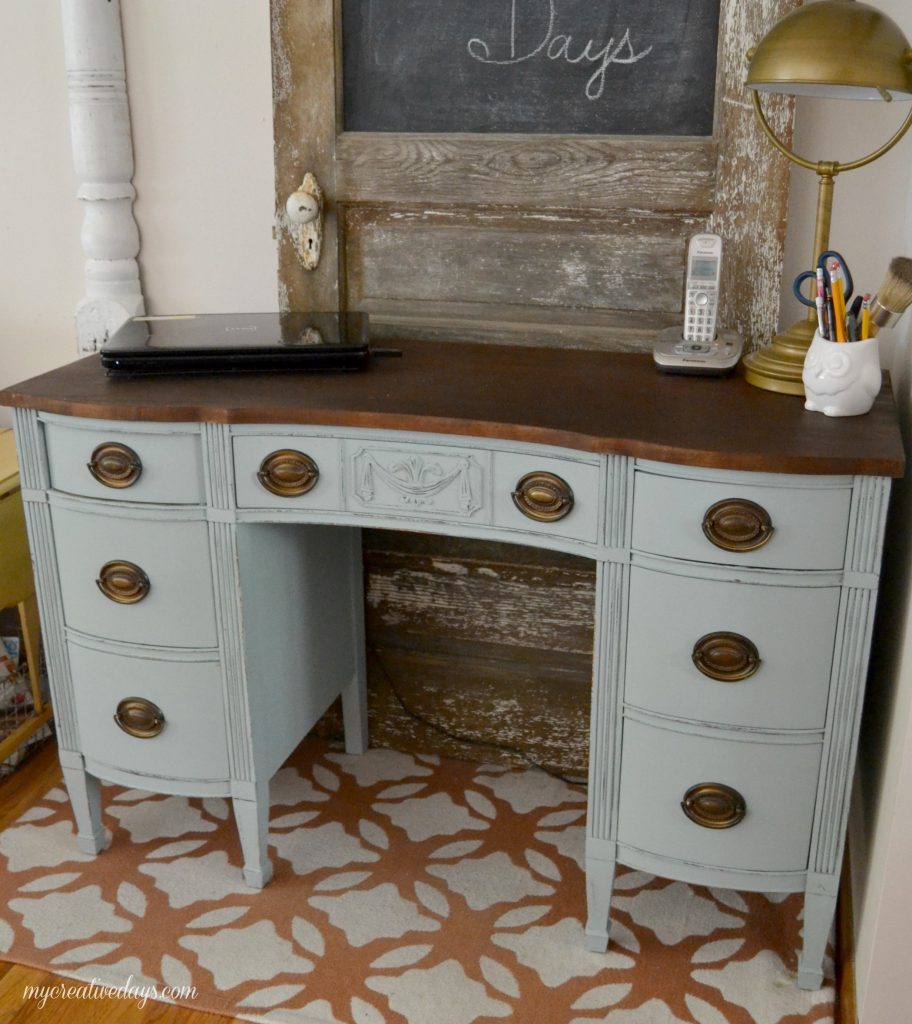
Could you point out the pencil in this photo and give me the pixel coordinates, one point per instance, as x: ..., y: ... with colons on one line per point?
x: 839, y: 306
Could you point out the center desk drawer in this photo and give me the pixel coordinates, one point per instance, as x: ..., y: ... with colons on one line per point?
x: 776, y: 526
x: 95, y: 460
x: 171, y: 714
x: 145, y: 581
x: 733, y: 653
x: 752, y: 802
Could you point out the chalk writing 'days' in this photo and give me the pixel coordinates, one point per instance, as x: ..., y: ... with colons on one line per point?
x: 559, y: 46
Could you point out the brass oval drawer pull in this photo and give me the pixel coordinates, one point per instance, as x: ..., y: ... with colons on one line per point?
x: 123, y: 582
x: 139, y: 717
x: 736, y: 524
x: 714, y: 805
x: 728, y: 657
x: 544, y: 497
x: 288, y: 473
x: 115, y: 465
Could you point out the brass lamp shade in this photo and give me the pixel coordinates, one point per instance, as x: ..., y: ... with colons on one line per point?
x: 839, y: 49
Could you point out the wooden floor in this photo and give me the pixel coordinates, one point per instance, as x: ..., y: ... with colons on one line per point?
x: 17, y: 793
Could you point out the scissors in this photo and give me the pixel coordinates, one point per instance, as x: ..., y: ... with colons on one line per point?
x: 808, y: 275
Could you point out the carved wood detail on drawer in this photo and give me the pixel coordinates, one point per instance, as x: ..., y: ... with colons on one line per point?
x: 410, y: 482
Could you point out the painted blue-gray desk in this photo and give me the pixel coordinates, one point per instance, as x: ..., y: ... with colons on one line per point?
x: 197, y: 556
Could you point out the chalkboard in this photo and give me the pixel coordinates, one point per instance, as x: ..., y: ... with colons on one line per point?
x: 606, y: 67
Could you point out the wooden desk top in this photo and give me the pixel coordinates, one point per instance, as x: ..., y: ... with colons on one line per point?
x: 591, y: 401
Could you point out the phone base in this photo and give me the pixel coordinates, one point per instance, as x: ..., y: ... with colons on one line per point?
x: 672, y: 354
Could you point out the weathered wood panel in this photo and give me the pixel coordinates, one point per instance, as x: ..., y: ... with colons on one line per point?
x: 421, y: 599
x: 632, y: 262
x: 482, y: 709
x: 493, y: 646
x: 515, y: 325
x: 564, y: 172
x: 751, y: 180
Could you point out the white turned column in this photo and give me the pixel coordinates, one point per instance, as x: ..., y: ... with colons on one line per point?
x: 103, y: 158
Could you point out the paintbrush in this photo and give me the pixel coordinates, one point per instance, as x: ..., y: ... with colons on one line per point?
x: 894, y: 296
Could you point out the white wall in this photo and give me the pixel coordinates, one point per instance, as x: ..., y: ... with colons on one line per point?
x: 198, y: 75
x: 40, y: 257
x: 199, y: 82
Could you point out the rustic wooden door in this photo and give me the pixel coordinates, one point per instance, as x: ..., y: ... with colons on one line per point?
x: 526, y: 238
x: 521, y: 238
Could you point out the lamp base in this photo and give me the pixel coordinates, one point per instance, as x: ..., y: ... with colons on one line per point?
x: 778, y: 366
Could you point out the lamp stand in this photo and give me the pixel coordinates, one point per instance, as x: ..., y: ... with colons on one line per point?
x: 778, y: 366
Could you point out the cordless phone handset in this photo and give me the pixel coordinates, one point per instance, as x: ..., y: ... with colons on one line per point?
x: 701, y: 296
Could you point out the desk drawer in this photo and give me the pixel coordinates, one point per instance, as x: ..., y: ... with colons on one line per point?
x: 187, y: 742
x: 123, y: 465
x: 733, y: 653
x: 557, y: 497
x: 287, y: 471
x: 780, y: 527
x: 418, y: 481
x: 156, y: 575
x: 776, y: 781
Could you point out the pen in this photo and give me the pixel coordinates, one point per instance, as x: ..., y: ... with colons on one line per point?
x: 831, y: 314
x: 821, y: 305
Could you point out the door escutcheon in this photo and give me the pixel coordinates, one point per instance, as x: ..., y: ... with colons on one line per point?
x: 305, y: 213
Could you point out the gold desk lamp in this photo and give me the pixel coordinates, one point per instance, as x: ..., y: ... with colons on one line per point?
x: 837, y: 49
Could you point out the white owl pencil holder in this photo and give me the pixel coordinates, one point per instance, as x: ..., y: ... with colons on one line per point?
x: 841, y: 379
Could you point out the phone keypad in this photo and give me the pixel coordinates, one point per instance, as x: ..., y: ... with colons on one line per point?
x: 700, y: 319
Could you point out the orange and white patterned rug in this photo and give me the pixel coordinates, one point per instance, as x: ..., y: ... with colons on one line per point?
x: 407, y: 890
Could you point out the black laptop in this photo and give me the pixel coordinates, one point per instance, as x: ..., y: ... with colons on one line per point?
x: 239, y: 342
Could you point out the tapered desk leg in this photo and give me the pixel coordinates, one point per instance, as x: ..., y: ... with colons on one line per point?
x: 600, y: 867
x: 819, y: 911
x: 251, y: 813
x: 85, y: 798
